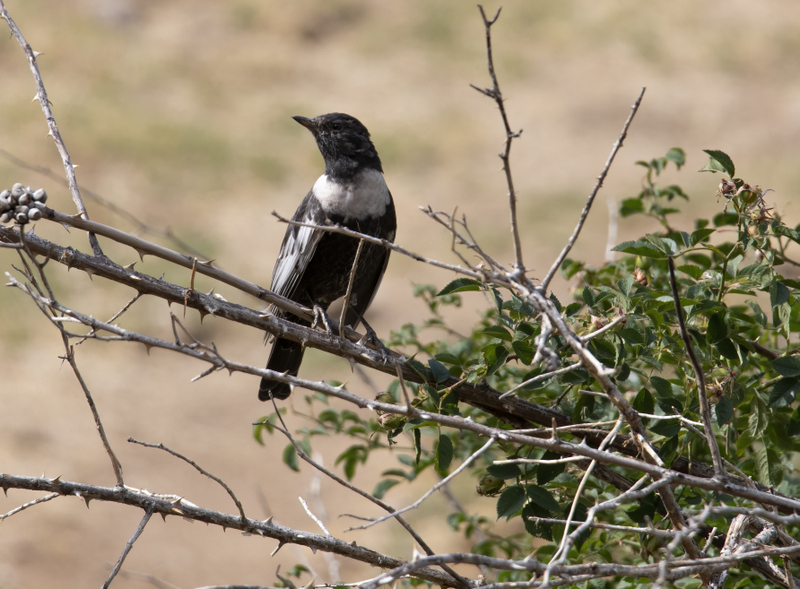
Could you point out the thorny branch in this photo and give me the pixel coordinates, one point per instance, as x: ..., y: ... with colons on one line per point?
x: 41, y: 96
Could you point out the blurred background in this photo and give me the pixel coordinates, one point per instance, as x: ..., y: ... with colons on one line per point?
x: 180, y: 113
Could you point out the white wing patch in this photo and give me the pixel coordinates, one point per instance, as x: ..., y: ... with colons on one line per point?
x: 296, y: 252
x: 367, y: 196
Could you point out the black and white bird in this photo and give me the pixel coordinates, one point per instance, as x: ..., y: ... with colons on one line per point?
x: 314, y: 266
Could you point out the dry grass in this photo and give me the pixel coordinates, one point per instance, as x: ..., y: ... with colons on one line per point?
x: 180, y: 112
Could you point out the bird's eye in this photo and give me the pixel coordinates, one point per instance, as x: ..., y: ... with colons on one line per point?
x: 336, y: 126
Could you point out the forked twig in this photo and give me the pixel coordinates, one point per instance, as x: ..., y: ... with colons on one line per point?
x: 495, y: 94
x: 199, y: 469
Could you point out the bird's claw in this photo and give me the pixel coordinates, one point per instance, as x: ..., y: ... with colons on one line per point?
x: 321, y: 316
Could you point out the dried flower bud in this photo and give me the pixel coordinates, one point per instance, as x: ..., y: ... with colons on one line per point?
x: 21, y: 218
x: 18, y: 190
x: 640, y: 276
x: 5, y: 194
x: 40, y: 195
x: 597, y: 322
x: 25, y: 199
x: 4, y: 205
x: 34, y: 214
x: 6, y: 217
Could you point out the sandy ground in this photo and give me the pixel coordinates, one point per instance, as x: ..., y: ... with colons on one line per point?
x: 180, y: 113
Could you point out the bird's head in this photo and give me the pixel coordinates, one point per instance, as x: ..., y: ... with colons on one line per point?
x: 344, y: 144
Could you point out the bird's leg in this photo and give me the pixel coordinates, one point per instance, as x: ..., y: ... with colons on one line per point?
x: 321, y: 315
x: 372, y: 337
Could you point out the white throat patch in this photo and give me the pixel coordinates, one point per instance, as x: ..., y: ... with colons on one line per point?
x: 366, y: 196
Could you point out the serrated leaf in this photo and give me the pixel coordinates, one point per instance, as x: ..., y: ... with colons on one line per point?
x: 543, y: 498
x: 788, y: 366
x: 662, y: 386
x: 784, y: 392
x: 757, y: 421
x: 382, y: 487
x: 460, y: 285
x: 695, y: 272
x: 547, y: 472
x: 511, y: 501
x: 701, y: 235
x: 524, y: 351
x: 778, y: 294
x: 719, y: 161
x: 444, y: 453
x: 639, y: 248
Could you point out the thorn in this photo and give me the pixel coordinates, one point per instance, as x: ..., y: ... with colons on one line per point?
x: 130, y: 266
x: 89, y: 273
x: 35, y: 98
x: 268, y: 521
x: 141, y: 254
x: 310, y: 583
x: 87, y: 499
x: 147, y: 347
x: 278, y: 547
x: 163, y: 516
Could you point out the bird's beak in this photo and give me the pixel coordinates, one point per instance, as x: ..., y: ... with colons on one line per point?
x: 306, y: 122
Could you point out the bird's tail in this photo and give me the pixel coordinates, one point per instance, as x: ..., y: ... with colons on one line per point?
x: 286, y: 356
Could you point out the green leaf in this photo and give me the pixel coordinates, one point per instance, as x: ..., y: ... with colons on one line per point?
x: 677, y: 156
x: 631, y: 206
x: 695, y: 272
x: 498, y: 331
x: 625, y: 285
x: 460, y: 285
x: 543, y: 498
x: 662, y: 386
x: 511, y: 501
x: 719, y: 161
x: 757, y: 422
x: 444, y: 453
x: 290, y: 458
x: 547, y: 472
x: 417, y: 445
x: 524, y: 350
x: 638, y: 248
x: 440, y: 372
x: 724, y: 411
x: 784, y: 392
x: 717, y: 328
x: 778, y: 294
x: 504, y: 471
x: 382, y: 487
x: 700, y: 235
x: 788, y: 366
x: 644, y: 402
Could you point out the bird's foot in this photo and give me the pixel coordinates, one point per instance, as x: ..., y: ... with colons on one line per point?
x: 320, y: 315
x: 387, y: 356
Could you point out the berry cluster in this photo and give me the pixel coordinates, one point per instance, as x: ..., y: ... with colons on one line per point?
x: 21, y: 204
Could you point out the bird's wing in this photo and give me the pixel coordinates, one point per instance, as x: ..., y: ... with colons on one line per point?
x: 299, y: 245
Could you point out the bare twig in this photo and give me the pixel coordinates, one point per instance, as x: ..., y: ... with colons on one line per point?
x: 25, y: 506
x: 313, y: 517
x: 458, y: 580
x: 147, y: 515
x: 198, y: 468
x: 587, y: 207
x: 705, y: 408
x: 177, y: 506
x: 430, y: 491
x: 346, y: 302
x: 495, y: 94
